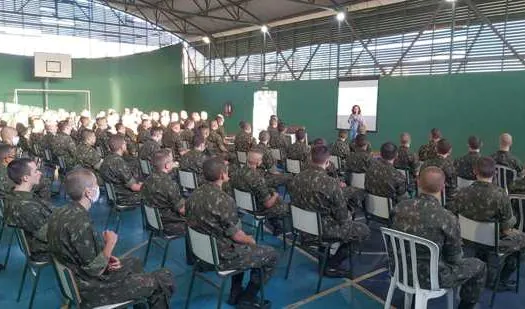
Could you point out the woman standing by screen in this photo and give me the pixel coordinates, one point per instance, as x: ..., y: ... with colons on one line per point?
x: 355, y: 121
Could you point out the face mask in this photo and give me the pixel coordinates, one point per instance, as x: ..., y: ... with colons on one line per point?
x: 96, y: 197
x: 16, y: 139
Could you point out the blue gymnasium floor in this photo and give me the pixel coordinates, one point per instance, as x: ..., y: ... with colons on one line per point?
x: 367, y: 290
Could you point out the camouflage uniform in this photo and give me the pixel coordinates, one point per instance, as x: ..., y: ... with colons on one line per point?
x: 73, y: 241
x: 269, y: 168
x: 192, y: 161
x: 77, y: 136
x: 116, y: 171
x: 428, y: 151
x: 222, y: 133
x: 47, y: 141
x: 299, y: 151
x: 36, y: 139
x: 172, y: 141
x: 161, y: 192
x: 382, y: 179
x: 88, y: 157
x: 424, y: 217
x: 486, y: 202
x: 406, y: 160
x: 214, y: 143
x: 187, y: 136
x: 451, y: 179
x: 252, y: 181
x: 358, y: 162
x: 244, y: 141
x: 143, y: 135
x: 354, y: 148
x: 148, y: 149
x: 103, y: 136
x: 212, y: 211
x: 340, y: 149
x: 25, y: 211
x: 517, y: 186
x: 508, y: 159
x: 64, y: 146
x: 280, y: 142
x: 40, y: 191
x: 314, y: 190
x: 465, y: 165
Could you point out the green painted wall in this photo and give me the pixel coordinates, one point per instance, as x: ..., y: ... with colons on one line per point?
x: 148, y: 81
x: 484, y: 104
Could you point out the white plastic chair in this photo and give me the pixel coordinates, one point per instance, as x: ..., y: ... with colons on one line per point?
x: 293, y: 166
x: 276, y: 154
x: 519, y: 199
x: 70, y: 290
x: 377, y: 208
x: 246, y: 202
x: 397, y: 244
x: 463, y: 183
x: 487, y: 235
x: 188, y: 180
x: 309, y: 222
x: 336, y: 161
x: 115, y: 207
x: 242, y: 157
x: 357, y: 180
x: 204, y: 247
x: 502, y: 176
x: 145, y: 167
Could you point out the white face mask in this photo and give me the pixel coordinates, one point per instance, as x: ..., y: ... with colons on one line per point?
x: 16, y: 139
x: 97, y: 196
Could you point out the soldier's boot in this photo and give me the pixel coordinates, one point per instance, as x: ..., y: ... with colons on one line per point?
x: 466, y: 305
x: 333, y: 265
x: 276, y: 226
x: 236, y: 289
x: 249, y: 300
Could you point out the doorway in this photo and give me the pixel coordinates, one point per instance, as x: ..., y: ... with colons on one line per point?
x: 264, y: 106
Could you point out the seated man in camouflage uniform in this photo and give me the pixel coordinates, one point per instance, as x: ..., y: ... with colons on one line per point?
x: 249, y: 179
x: 424, y: 216
x: 358, y: 161
x: 341, y: 148
x: 151, y: 144
x: 280, y: 141
x: 102, y: 278
x: 144, y: 130
x: 84, y: 125
x: 465, y: 165
x: 313, y: 190
x: 64, y: 146
x: 244, y: 141
x: 214, y: 144
x: 268, y: 165
x: 504, y: 157
x: 86, y: 154
x: 171, y: 139
x: 429, y: 150
x: 103, y: 134
x: 26, y: 211
x: 210, y: 210
x: 445, y: 163
x: 382, y: 178
x: 486, y: 202
x: 407, y: 160
x: 116, y: 171
x: 299, y: 150
x: 193, y: 160
x: 188, y: 133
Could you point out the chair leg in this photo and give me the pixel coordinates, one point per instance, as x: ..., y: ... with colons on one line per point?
x: 221, y: 291
x: 2, y: 229
x: 147, y: 249
x: 166, y: 249
x: 408, y: 300
x: 35, y: 285
x: 421, y: 301
x: 290, y: 256
x: 518, y: 273
x: 450, y: 299
x: 22, y: 282
x: 324, y: 261
x: 192, y: 280
x: 118, y: 222
x: 390, y: 294
x: 9, y: 245
x: 262, y: 287
x: 284, y: 234
x: 496, y: 284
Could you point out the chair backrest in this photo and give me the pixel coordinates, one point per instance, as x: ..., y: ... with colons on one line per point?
x: 401, y: 250
x: 378, y: 206
x: 276, y: 153
x: 153, y: 217
x: 188, y: 180
x: 293, y: 166
x: 110, y: 190
x: 443, y: 197
x: 67, y: 282
x: 22, y: 240
x: 406, y: 173
x: 242, y: 157
x: 336, y: 161
x: 204, y: 247
x: 519, y: 199
x: 482, y: 233
x: 47, y: 155
x: 463, y: 183
x: 1, y: 209
x: 61, y: 162
x: 306, y: 221
x: 245, y: 200
x: 504, y: 176
x: 145, y: 167
x: 357, y: 180
x: 290, y: 138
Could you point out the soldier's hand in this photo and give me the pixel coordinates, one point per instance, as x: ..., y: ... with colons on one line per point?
x: 110, y: 238
x: 114, y: 263
x: 251, y: 241
x: 342, y: 184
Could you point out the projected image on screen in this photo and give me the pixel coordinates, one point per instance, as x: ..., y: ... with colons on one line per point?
x: 362, y: 93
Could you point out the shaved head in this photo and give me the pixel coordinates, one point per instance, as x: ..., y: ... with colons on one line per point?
x: 505, y: 140
x: 404, y: 138
x: 78, y: 181
x: 8, y: 133
x: 161, y: 158
x: 432, y: 180
x: 254, y: 157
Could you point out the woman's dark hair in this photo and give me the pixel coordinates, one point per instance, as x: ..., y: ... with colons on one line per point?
x: 359, y: 109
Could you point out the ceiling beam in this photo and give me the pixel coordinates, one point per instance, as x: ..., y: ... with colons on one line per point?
x: 312, y: 4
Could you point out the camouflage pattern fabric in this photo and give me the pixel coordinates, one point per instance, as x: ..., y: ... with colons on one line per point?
x: 506, y: 158
x: 148, y: 149
x: 64, y: 146
x: 340, y: 149
x: 116, y: 171
x: 244, y: 141
x: 428, y: 151
x: 465, y: 165
x: 382, y: 179
x: 451, y: 179
x: 192, y: 161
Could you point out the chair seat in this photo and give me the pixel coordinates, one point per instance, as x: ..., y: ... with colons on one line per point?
x: 226, y: 272
x: 119, y: 305
x: 126, y: 207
